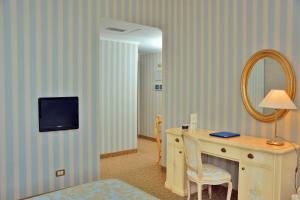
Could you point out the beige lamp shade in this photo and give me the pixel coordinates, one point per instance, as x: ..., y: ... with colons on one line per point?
x: 277, y: 99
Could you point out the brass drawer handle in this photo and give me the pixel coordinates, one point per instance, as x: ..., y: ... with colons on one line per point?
x: 250, y: 156
x: 176, y: 140
x: 243, y: 168
x: 223, y: 150
x: 180, y: 152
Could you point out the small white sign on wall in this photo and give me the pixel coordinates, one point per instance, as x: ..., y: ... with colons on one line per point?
x: 158, y: 78
x: 158, y: 73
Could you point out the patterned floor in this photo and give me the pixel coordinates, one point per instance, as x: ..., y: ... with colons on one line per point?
x: 141, y: 170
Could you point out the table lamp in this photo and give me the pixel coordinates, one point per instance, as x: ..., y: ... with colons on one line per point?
x: 277, y: 99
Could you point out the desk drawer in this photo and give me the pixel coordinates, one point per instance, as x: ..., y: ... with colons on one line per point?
x: 220, y: 150
x: 258, y: 158
x: 176, y: 140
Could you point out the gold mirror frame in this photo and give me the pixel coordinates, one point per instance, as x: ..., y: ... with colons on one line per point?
x: 289, y: 76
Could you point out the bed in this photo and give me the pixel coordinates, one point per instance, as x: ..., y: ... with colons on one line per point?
x: 110, y: 189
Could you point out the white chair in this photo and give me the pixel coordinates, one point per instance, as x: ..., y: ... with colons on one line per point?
x: 202, y: 174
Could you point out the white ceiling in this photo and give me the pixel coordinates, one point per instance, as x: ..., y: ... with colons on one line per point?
x: 148, y: 38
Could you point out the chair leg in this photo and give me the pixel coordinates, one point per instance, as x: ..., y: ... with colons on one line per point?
x: 229, y: 190
x: 199, y: 191
x: 209, y: 191
x: 188, y: 189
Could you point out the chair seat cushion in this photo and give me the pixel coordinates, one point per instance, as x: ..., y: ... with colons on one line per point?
x: 210, y: 173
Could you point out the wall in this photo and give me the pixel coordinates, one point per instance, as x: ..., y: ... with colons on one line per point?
x: 205, y: 46
x: 274, y: 76
x: 150, y: 100
x: 47, y: 48
x: 206, y: 43
x: 256, y: 85
x: 118, y: 96
x: 274, y: 79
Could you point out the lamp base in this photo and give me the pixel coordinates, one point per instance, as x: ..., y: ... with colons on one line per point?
x: 275, y: 142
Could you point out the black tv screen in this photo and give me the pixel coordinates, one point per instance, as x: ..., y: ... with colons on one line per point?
x: 58, y: 113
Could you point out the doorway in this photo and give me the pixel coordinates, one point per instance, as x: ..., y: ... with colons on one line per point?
x: 130, y: 85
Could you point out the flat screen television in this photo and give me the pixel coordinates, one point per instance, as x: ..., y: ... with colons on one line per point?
x: 58, y: 113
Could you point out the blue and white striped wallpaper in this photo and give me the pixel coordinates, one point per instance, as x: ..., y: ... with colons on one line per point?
x: 150, y: 101
x: 48, y: 48
x: 118, y: 96
x: 205, y: 45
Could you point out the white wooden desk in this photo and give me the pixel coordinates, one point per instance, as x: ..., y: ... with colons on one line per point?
x: 266, y: 172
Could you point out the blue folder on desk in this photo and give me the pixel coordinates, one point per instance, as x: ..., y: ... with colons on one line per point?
x: 224, y: 134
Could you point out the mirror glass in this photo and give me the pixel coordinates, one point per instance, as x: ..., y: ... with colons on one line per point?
x: 265, y: 75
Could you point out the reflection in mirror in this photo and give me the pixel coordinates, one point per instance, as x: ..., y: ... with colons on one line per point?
x: 265, y: 75
x: 264, y: 70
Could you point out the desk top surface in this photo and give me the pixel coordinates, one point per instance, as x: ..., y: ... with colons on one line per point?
x: 243, y: 141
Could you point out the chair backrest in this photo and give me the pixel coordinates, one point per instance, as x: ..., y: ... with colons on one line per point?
x: 192, y: 154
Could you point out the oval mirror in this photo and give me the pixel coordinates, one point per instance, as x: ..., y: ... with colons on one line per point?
x: 266, y: 70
